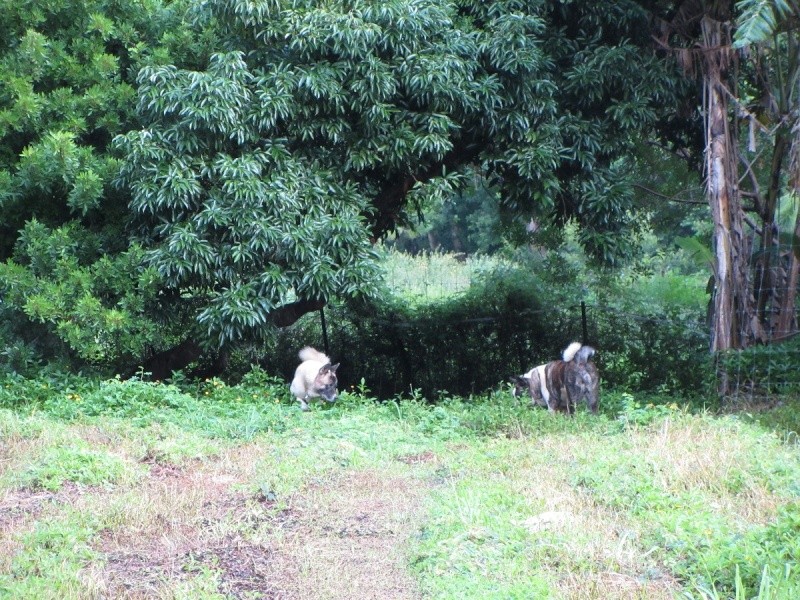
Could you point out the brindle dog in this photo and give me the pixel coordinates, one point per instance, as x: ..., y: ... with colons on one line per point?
x: 560, y: 384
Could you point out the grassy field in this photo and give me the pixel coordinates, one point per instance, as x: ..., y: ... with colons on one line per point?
x: 136, y: 490
x: 429, y: 277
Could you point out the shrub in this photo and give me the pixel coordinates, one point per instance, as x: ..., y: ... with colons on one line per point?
x: 461, y: 344
x: 647, y: 328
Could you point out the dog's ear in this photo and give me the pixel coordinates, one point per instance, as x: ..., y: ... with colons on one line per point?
x: 329, y: 368
x: 520, y: 379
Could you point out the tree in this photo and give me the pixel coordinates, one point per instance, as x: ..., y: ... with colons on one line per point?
x: 259, y: 181
x: 749, y: 96
x: 72, y: 286
x: 274, y: 141
x: 707, y: 26
x: 769, y: 31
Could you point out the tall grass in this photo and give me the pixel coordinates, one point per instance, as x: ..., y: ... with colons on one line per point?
x: 435, y: 275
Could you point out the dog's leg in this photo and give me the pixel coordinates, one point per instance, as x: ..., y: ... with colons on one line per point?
x: 547, y: 401
x: 544, y: 390
x: 570, y: 402
x: 303, y: 403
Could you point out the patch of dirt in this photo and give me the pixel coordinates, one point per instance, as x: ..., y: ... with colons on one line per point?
x: 160, y: 470
x: 416, y: 459
x: 337, y: 538
x: 20, y: 505
x: 134, y: 574
x: 243, y: 567
x: 246, y: 568
x: 350, y: 536
x: 140, y: 564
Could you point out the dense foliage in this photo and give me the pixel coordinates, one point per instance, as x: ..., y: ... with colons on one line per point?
x: 73, y: 286
x: 259, y: 180
x: 180, y: 178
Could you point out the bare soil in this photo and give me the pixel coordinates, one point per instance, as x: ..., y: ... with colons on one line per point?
x: 339, y: 537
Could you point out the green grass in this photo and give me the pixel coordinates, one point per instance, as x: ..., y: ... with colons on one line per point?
x: 79, y: 464
x: 493, y: 499
x: 49, y: 561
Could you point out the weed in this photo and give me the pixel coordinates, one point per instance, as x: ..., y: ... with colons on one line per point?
x: 741, y: 563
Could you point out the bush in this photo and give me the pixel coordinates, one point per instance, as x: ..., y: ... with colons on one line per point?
x: 764, y: 370
x: 461, y: 344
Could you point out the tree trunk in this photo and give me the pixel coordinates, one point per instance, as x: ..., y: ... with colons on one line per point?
x: 724, y: 333
x: 786, y: 324
x: 766, y: 279
x: 734, y: 323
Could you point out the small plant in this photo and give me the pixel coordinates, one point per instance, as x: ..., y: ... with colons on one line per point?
x: 764, y: 369
x: 119, y: 398
x: 743, y: 562
x: 782, y: 586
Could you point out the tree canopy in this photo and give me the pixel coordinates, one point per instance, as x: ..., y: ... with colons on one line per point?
x: 260, y: 179
x: 270, y: 143
x: 72, y: 284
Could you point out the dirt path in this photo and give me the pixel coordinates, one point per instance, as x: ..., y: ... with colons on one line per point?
x: 346, y: 538
x: 341, y: 537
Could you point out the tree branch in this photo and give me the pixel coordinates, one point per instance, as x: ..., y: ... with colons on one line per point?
x: 288, y: 314
x: 670, y: 198
x: 756, y: 194
x: 392, y: 198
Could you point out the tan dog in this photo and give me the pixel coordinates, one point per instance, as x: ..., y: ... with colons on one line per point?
x: 315, y: 377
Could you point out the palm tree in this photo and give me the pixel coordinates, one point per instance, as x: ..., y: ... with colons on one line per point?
x: 700, y: 35
x: 768, y: 30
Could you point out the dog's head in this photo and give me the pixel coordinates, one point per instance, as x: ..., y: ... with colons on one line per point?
x: 521, y: 386
x: 584, y: 354
x: 325, y: 382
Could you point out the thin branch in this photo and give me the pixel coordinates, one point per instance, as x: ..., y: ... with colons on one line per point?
x: 749, y: 220
x: 753, y: 117
x: 670, y: 198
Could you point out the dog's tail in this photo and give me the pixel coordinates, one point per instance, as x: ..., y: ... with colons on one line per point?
x: 571, y: 351
x: 579, y: 352
x: 309, y: 353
